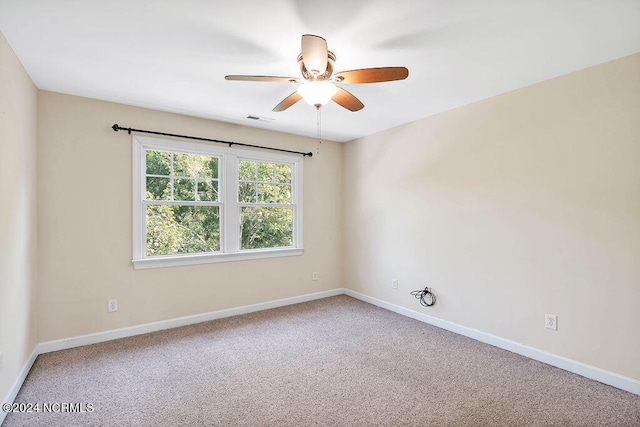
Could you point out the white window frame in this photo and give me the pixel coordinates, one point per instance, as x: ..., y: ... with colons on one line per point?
x: 228, y: 198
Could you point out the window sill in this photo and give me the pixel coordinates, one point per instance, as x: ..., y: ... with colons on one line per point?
x: 177, y: 260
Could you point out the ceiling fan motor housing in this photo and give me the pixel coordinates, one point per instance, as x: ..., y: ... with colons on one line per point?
x: 312, y: 75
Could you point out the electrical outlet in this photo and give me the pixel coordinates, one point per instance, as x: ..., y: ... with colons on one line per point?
x: 314, y: 276
x: 551, y: 321
x: 112, y: 305
x: 394, y: 283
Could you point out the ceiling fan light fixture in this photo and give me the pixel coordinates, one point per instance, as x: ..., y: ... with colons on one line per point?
x: 317, y: 93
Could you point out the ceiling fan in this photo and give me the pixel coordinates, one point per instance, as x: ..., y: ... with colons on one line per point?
x: 316, y: 64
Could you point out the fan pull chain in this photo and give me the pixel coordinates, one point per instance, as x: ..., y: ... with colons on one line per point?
x: 319, y: 122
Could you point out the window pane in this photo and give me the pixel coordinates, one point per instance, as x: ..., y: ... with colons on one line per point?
x: 158, y: 163
x: 208, y: 191
x: 175, y: 230
x: 184, y: 164
x: 158, y: 188
x: 283, y: 173
x: 283, y: 193
x: 266, y: 172
x: 266, y: 193
x: 184, y: 189
x: 266, y: 227
x: 247, y: 170
x: 246, y: 192
x: 207, y: 167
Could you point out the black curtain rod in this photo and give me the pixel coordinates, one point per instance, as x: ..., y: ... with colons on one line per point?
x: 116, y: 128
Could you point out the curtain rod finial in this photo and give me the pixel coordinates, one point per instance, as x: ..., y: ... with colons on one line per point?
x: 115, y: 127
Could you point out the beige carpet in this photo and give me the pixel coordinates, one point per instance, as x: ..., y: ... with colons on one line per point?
x: 332, y: 362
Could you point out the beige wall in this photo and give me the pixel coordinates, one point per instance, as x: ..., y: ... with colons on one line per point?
x: 18, y: 329
x: 516, y: 206
x: 84, y: 219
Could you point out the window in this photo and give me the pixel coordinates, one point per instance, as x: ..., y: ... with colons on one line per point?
x: 266, y: 208
x: 181, y: 203
x: 196, y: 203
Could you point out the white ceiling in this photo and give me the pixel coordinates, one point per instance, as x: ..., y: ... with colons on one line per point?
x: 172, y: 55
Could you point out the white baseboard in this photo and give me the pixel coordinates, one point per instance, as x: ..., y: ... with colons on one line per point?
x: 606, y: 377
x: 114, y: 334
x: 610, y: 378
x: 17, y: 384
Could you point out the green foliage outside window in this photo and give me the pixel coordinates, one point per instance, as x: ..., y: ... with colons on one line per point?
x: 175, y: 228
x: 264, y: 195
x: 266, y: 227
x: 265, y: 183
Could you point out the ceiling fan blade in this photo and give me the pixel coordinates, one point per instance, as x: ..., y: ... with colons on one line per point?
x: 314, y: 54
x: 288, y: 101
x: 372, y: 75
x: 347, y: 100
x: 262, y: 79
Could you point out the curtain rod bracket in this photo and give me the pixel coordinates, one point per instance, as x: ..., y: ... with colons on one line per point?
x: 117, y: 127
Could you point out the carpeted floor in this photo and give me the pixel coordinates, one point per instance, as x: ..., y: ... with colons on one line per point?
x: 331, y: 362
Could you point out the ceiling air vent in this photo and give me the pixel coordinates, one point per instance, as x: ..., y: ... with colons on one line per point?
x: 260, y: 119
